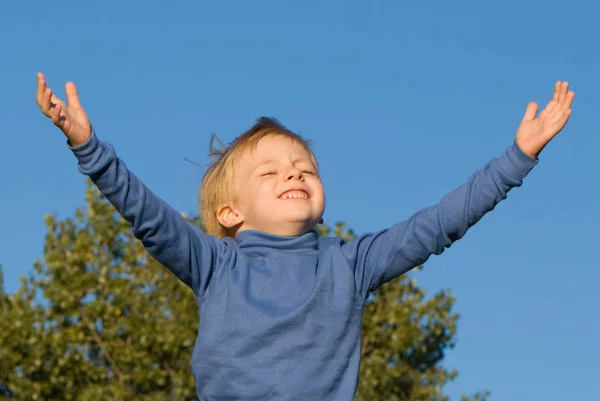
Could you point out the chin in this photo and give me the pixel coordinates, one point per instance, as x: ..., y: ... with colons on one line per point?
x: 300, y: 218
x: 296, y: 225
x: 305, y: 226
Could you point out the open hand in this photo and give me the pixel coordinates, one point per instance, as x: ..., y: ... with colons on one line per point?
x: 535, y: 133
x: 71, y: 119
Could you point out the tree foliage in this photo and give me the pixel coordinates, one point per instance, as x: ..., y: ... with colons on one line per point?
x: 100, y: 320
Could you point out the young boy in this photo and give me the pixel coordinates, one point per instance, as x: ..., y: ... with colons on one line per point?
x: 280, y: 308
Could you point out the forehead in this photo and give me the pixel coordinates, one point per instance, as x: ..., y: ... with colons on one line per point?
x: 274, y: 146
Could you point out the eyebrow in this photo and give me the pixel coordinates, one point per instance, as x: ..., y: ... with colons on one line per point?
x: 267, y: 161
x: 296, y: 161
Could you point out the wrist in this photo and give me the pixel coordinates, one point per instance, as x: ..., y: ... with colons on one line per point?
x: 529, y: 149
x: 525, y: 153
x: 87, y: 146
x: 77, y: 140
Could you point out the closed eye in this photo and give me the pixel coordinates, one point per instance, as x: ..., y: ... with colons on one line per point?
x: 267, y: 173
x: 309, y: 172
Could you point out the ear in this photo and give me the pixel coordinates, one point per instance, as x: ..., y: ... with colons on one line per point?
x: 229, y: 217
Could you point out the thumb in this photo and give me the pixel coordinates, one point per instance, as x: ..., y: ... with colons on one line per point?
x: 72, y: 96
x: 530, y: 113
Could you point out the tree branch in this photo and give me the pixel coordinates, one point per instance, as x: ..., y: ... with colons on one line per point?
x: 98, y: 341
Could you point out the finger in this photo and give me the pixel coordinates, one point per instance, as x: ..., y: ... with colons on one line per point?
x: 551, y: 107
x: 569, y: 99
x: 55, y: 115
x: 531, y: 111
x: 54, y: 101
x: 72, y: 96
x: 565, y: 104
x: 556, y: 94
x: 41, y: 87
x: 566, y: 117
x: 561, y: 121
x: 46, y: 104
x: 564, y: 88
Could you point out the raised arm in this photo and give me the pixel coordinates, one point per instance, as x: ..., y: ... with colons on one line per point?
x: 380, y: 257
x: 177, y: 244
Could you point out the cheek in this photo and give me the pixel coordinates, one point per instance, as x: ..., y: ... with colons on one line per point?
x: 322, y: 195
x: 262, y: 194
x: 265, y: 188
x: 322, y: 199
x: 317, y: 187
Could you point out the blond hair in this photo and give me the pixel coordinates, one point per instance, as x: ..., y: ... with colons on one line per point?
x: 218, y: 184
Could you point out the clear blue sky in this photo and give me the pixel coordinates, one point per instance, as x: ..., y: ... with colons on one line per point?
x: 403, y: 100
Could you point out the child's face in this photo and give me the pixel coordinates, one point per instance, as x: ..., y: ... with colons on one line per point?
x: 278, y: 189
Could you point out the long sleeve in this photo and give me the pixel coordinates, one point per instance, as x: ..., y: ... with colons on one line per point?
x: 177, y: 244
x: 380, y: 257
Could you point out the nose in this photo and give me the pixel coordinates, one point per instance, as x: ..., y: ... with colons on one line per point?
x: 294, y: 174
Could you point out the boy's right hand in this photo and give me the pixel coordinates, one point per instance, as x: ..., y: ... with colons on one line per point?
x: 71, y: 119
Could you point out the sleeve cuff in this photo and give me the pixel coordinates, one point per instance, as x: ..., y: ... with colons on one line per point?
x: 516, y: 163
x: 86, y: 149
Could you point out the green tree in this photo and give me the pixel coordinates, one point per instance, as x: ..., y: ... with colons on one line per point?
x: 99, y: 319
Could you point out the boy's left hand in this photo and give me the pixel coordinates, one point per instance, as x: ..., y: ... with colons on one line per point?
x: 535, y: 133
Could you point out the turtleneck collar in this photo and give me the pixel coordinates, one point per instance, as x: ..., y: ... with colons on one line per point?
x: 257, y: 239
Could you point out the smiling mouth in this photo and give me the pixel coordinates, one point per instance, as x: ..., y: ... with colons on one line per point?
x: 294, y: 194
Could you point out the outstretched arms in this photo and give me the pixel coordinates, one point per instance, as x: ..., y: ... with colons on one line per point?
x: 173, y: 241
x: 380, y: 257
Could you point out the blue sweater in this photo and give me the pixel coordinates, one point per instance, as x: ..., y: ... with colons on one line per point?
x: 280, y: 317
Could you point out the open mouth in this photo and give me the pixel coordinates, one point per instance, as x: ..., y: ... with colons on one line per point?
x: 294, y: 194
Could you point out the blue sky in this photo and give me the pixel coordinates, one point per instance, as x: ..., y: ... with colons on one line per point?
x: 403, y: 101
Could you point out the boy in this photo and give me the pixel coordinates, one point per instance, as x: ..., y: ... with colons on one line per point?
x: 280, y: 308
